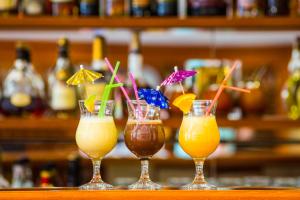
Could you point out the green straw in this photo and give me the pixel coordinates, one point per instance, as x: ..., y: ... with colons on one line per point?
x: 107, y: 91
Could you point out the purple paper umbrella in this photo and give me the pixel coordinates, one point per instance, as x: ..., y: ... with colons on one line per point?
x: 177, y: 77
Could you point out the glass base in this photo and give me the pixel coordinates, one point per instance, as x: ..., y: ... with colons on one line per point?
x: 96, y: 186
x: 144, y: 185
x: 202, y: 186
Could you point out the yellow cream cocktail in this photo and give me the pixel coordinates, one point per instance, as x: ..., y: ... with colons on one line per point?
x: 96, y: 136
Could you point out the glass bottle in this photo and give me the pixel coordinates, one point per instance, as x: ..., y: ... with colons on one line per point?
x: 63, y: 7
x: 291, y: 91
x: 62, y: 97
x: 114, y: 8
x: 249, y: 8
x: 89, y: 7
x: 99, y: 65
x: 135, y: 59
x: 22, y: 174
x: 8, y: 7
x: 23, y: 88
x: 207, y: 8
x: 278, y: 8
x: 33, y: 7
x: 140, y: 8
x: 166, y: 7
x: 74, y: 178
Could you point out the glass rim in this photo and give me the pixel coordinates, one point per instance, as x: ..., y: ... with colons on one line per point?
x: 203, y: 101
x: 97, y: 101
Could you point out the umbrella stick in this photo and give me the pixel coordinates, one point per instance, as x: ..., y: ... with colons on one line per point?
x: 181, y: 86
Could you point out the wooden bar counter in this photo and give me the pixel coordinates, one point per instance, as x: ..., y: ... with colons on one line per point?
x: 74, y: 194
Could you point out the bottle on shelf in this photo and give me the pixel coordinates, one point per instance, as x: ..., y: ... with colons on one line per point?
x: 115, y: 8
x: 250, y: 8
x: 74, y: 178
x: 22, y: 174
x: 278, y: 7
x: 207, y: 8
x: 98, y: 65
x: 64, y: 8
x: 23, y: 87
x: 140, y: 8
x: 62, y: 98
x: 291, y: 91
x: 166, y: 7
x: 135, y: 59
x: 32, y: 7
x: 8, y: 7
x: 89, y: 7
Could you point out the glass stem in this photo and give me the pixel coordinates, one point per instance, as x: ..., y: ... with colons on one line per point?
x: 144, y: 170
x: 199, y: 177
x: 96, y: 172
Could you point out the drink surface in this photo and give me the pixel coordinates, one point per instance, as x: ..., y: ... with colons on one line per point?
x: 96, y: 136
x: 199, y: 135
x: 144, y: 138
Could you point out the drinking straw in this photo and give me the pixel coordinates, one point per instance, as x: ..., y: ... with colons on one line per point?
x: 136, y: 93
x: 107, y: 90
x: 237, y: 89
x: 221, y: 88
x: 118, y: 80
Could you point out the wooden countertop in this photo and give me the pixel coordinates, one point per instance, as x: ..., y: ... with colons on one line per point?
x: 71, y: 194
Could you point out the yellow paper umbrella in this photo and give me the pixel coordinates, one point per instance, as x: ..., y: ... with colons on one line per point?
x: 83, y: 76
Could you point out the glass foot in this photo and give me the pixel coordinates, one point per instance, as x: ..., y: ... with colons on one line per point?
x: 144, y: 185
x: 202, y: 186
x: 96, y: 186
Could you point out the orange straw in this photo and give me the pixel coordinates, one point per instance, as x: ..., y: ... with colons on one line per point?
x: 221, y: 88
x: 236, y: 89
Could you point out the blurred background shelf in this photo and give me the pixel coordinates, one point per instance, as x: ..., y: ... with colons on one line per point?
x: 46, y: 22
x: 70, y: 124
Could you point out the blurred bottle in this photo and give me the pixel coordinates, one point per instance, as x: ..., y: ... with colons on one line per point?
x: 278, y: 7
x: 99, y: 65
x: 74, y: 178
x: 64, y: 8
x: 207, y: 7
x: 62, y: 97
x: 166, y: 7
x: 49, y: 176
x: 135, y: 60
x: 250, y: 8
x: 291, y: 91
x: 3, y: 182
x: 140, y: 8
x: 23, y: 87
x: 32, y: 7
x: 8, y: 7
x: 115, y: 8
x: 22, y: 174
x: 89, y: 7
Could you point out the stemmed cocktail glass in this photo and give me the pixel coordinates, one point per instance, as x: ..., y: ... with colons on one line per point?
x: 144, y: 136
x: 96, y: 136
x: 199, y: 137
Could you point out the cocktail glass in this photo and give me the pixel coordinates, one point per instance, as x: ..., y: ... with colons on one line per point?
x: 96, y: 137
x: 144, y: 136
x: 199, y: 137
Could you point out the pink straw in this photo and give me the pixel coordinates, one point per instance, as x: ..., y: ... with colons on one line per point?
x: 135, y: 92
x: 118, y: 80
x: 221, y: 88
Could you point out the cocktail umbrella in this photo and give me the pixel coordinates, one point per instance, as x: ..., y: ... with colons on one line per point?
x: 154, y: 97
x: 177, y: 77
x: 83, y: 76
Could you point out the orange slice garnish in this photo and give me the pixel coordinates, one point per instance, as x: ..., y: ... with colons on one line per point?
x: 184, y: 102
